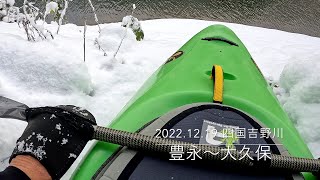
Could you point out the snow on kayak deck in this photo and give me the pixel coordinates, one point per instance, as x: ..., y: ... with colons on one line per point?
x: 52, y: 72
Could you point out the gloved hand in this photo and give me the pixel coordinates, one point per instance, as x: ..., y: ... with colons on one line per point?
x: 55, y: 136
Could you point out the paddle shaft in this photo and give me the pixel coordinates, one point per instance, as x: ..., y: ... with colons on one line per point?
x: 152, y: 144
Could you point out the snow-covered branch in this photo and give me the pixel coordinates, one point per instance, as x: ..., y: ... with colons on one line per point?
x: 28, y: 21
x: 62, y: 14
x: 95, y: 15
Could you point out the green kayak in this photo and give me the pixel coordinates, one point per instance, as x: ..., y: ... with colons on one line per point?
x: 185, y: 79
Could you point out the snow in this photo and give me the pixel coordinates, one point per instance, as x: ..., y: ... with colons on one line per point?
x: 6, y: 2
x: 23, y: 146
x: 3, y: 12
x: 10, y: 2
x: 110, y: 37
x: 71, y: 155
x: 8, y: 12
x: 300, y: 83
x: 53, y: 116
x: 8, y: 19
x: 58, y: 126
x: 52, y: 72
x: 64, y: 141
x: 131, y: 21
x: 39, y: 137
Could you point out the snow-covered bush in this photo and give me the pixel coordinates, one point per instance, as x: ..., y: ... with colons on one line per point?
x: 8, y: 12
x: 27, y: 16
x: 51, y: 8
x: 134, y: 24
x: 28, y: 19
x: 12, y: 16
x: 58, y: 9
x: 106, y: 40
x: 6, y: 3
x: 4, y: 7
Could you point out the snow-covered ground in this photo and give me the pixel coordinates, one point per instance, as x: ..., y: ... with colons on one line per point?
x: 52, y: 72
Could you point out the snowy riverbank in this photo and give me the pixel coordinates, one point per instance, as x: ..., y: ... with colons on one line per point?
x: 52, y: 72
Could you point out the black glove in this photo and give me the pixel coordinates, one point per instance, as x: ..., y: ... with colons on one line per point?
x: 55, y: 136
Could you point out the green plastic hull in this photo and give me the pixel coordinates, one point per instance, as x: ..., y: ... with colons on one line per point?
x: 186, y: 80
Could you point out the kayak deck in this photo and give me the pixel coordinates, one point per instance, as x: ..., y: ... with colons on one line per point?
x: 186, y: 79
